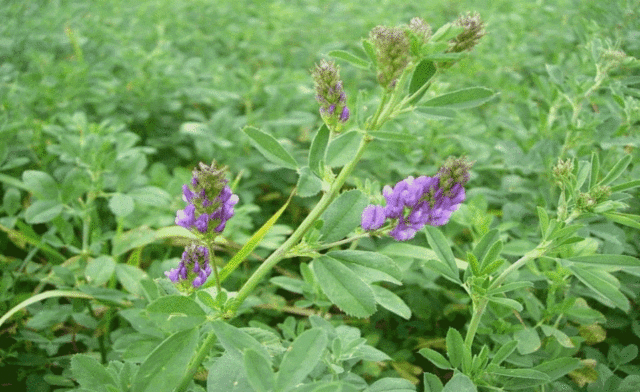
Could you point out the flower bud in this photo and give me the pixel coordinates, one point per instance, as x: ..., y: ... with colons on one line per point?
x: 473, y: 31
x: 392, y: 53
x: 330, y: 94
x: 194, y: 268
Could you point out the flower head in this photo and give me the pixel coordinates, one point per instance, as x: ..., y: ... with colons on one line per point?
x: 473, y: 31
x: 416, y: 202
x: 194, y: 267
x: 330, y: 94
x: 210, y: 201
x: 392, y: 53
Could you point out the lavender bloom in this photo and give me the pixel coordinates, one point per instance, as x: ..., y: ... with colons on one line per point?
x: 194, y: 268
x: 330, y: 94
x: 416, y: 202
x: 210, y: 201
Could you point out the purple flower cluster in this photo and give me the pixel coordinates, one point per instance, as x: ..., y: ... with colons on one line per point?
x: 194, y: 266
x: 210, y: 201
x: 330, y: 94
x: 416, y: 202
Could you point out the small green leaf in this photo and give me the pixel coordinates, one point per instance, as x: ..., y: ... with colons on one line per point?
x: 390, y: 301
x: 617, y: 170
x: 308, y: 183
x: 528, y: 341
x: 595, y: 168
x: 439, y: 244
x: 343, y: 148
x: 100, y: 270
x: 455, y: 347
x: 460, y: 383
x: 462, y: 99
x: 602, y: 283
x: 343, y: 215
x: 249, y: 246
x: 343, y: 287
x: 435, y: 113
x: 41, y: 184
x: 431, y: 383
x: 302, y: 357
x: 399, y: 137
x: 11, y: 201
x: 624, y: 219
x: 130, y: 277
x: 490, y: 237
x: 421, y: 75
x: 270, y: 148
x: 504, y: 351
x: 543, y: 218
x: 259, y: 372
x: 603, y: 259
x: 228, y: 374
x: 318, y: 149
x: 521, y: 373
x: 436, y: 358
x: 235, y: 340
x: 90, y: 373
x: 559, y: 367
x: 176, y: 312
x: 510, y: 303
x: 625, y: 186
x: 473, y: 264
x: 372, y: 265
x: 390, y: 384
x: 510, y: 287
x: 491, y: 255
x: 350, y: 58
x: 562, y: 338
x: 162, y: 370
x: 370, y: 50
x: 121, y: 205
x: 42, y: 211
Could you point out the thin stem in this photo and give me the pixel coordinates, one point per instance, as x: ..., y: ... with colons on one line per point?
x: 213, y: 265
x: 297, y: 235
x: 197, y: 360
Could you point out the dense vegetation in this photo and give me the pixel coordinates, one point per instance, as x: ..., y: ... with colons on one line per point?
x: 106, y: 107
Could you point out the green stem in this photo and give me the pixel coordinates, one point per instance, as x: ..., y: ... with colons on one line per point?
x: 481, y: 304
x: 297, y: 235
x: 197, y: 360
x: 213, y: 265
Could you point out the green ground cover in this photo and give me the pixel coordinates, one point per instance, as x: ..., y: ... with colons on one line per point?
x: 105, y: 108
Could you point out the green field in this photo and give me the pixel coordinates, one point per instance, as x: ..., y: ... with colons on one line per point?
x: 106, y: 107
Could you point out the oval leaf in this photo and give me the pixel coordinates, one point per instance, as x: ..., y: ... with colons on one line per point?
x: 301, y: 358
x: 318, y: 149
x: 343, y: 215
x: 344, y: 288
x: 42, y: 211
x: 462, y: 99
x: 350, y: 58
x: 270, y: 148
x: 390, y: 301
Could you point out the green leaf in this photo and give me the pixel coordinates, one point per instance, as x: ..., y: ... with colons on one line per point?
x: 528, y: 341
x: 625, y: 186
x: 562, y: 338
x: 100, y: 270
x: 370, y: 50
x: 435, y: 113
x: 617, y: 170
x: 121, y: 205
x: 318, y: 149
x: 343, y: 215
x: 559, y: 367
x: 510, y: 287
x: 510, y: 303
x: 491, y: 255
x: 350, y: 58
x: 439, y: 244
x: 600, y: 259
x: 436, y: 358
x: 235, y: 340
x: 343, y: 148
x: 391, y: 384
x: 431, y: 383
x: 462, y: 99
x: 543, y: 218
x: 41, y: 184
x: 399, y: 137
x: 490, y: 237
x: 421, y: 75
x: 301, y: 358
x: 455, y: 347
x: 504, y: 351
x: 603, y: 283
x: 308, y: 183
x: 11, y: 201
x: 162, y: 370
x: 595, y: 168
x: 134, y: 238
x: 176, y: 312
x: 371, y: 266
x: 521, y: 373
x: 42, y: 211
x: 390, y: 301
x: 270, y: 148
x: 460, y: 383
x: 259, y: 372
x: 90, y: 373
x: 343, y: 287
x: 130, y: 277
x: 228, y: 374
x: 249, y: 246
x: 624, y: 219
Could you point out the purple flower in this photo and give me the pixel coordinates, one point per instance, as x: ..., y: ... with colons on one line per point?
x: 416, y: 202
x: 373, y: 217
x: 186, y: 217
x: 330, y: 94
x: 194, y: 267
